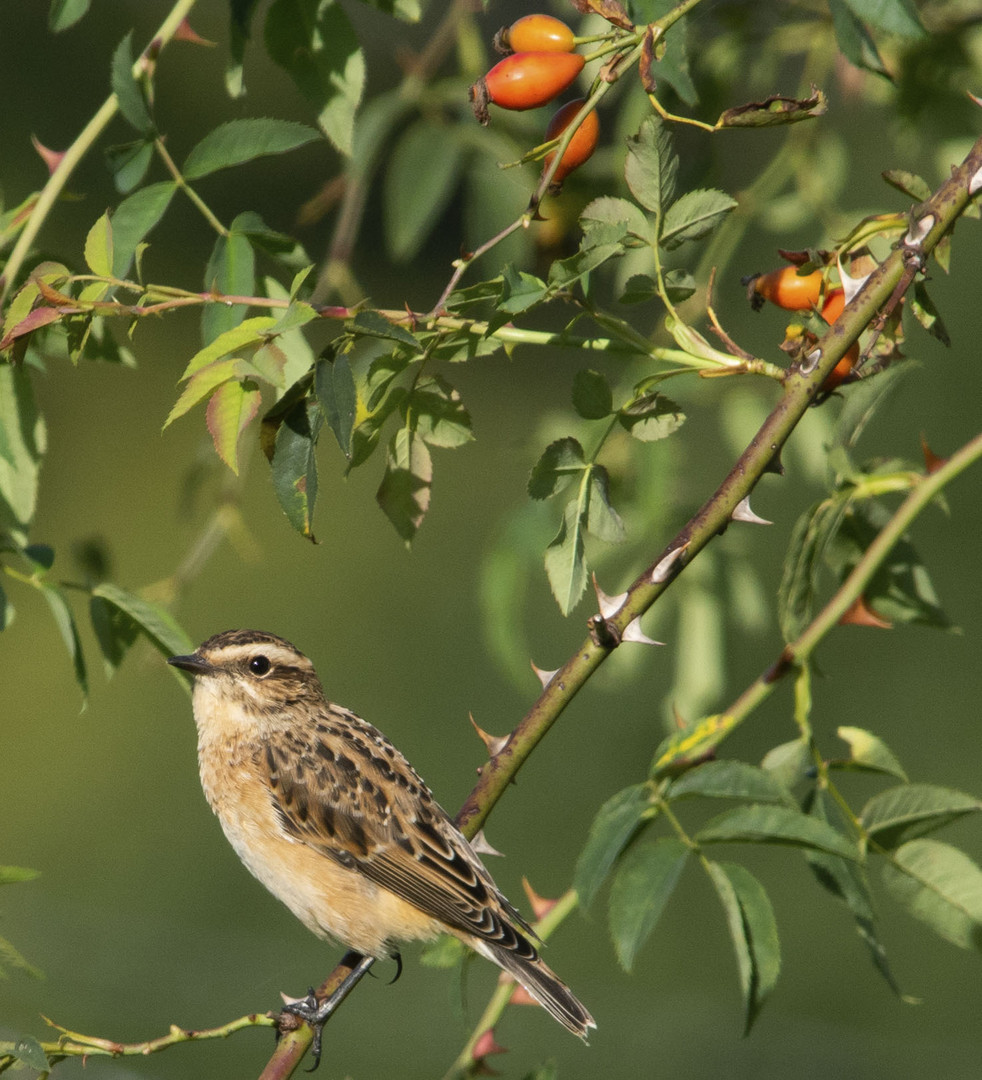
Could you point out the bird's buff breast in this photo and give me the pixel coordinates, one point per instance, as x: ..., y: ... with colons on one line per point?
x: 329, y: 899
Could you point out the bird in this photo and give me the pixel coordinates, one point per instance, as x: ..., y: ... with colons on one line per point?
x: 326, y: 813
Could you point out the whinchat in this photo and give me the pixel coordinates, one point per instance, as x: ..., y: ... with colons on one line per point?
x: 337, y: 824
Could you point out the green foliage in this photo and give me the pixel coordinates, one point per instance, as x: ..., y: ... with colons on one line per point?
x: 618, y: 276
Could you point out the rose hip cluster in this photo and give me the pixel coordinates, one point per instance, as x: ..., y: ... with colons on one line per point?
x: 540, y: 65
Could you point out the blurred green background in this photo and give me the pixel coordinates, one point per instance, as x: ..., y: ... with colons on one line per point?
x: 142, y: 915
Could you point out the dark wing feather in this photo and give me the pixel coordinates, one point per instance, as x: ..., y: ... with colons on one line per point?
x: 346, y: 791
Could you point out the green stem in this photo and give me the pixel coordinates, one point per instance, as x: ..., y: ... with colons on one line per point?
x: 195, y: 198
x: 81, y: 146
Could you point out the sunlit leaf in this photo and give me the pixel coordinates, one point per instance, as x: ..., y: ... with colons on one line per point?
x: 651, y: 166
x: 65, y: 621
x: 868, y: 751
x: 99, y: 247
x: 24, y: 443
x: 692, y: 216
x: 230, y: 272
x: 902, y: 813
x: 651, y: 416
x: 941, y: 886
x: 231, y: 408
x: 565, y: 559
x: 404, y: 493
x: 133, y: 220
x: 65, y: 13
x: 602, y: 520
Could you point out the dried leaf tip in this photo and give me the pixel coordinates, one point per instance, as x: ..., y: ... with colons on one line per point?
x: 494, y: 743
x: 932, y: 462
x: 540, y: 905
x: 484, y: 1046
x: 743, y: 512
x: 859, y: 613
x: 544, y: 677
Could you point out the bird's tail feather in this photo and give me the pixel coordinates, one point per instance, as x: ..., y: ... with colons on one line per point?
x: 545, y: 986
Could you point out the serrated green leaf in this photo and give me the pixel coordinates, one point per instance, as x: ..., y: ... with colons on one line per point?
x: 616, y: 822
x: 129, y: 92
x: 561, y: 461
x: 692, y: 216
x: 854, y: 40
x: 519, y: 291
x: 238, y: 141
x: 847, y: 882
x: 231, y: 408
x: 868, y: 751
x: 315, y: 43
x: 438, y: 413
x: 11, y: 874
x: 65, y: 621
x: 909, y: 183
x: 728, y: 780
x: 592, y: 396
x: 294, y: 463
x: 423, y: 171
x: 898, y: 17
x: 565, y: 559
x: 923, y: 309
x: 608, y: 219
x: 231, y: 271
x: 902, y: 813
x: 941, y: 886
x: 645, y: 880
x: 336, y: 391
x: 753, y: 930
x: 129, y: 163
x: 203, y: 383
x: 788, y: 763
x: 99, y: 247
x: 28, y: 1049
x: 651, y: 416
x: 65, y: 13
x: 133, y: 220
x: 156, y: 624
x: 776, y: 825
x: 404, y: 494
x: 376, y: 325
x: 651, y: 166
x: 25, y: 441
x: 602, y: 520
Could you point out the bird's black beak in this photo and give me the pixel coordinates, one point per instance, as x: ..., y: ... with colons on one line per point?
x: 195, y: 663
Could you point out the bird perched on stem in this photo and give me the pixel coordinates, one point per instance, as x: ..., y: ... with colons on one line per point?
x: 334, y: 821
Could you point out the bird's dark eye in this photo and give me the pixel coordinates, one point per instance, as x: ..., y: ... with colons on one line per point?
x: 259, y: 665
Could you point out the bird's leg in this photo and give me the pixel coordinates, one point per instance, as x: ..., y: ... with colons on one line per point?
x: 316, y: 1013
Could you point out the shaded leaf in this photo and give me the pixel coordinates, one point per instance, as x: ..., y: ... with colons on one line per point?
x: 789, y: 763
x: 941, y: 886
x: 646, y: 878
x: 602, y: 520
x: 592, y: 397
x: 28, y: 1049
x: 753, y: 930
x: 609, y: 219
x: 129, y: 163
x: 230, y: 272
x: 238, y: 141
x: 612, y: 829
x: 129, y: 92
x: 898, y: 17
x: 561, y: 461
x: 854, y: 40
x: 907, y: 811
x: 776, y: 825
x: 65, y: 621
x: 692, y: 216
x: 156, y: 624
x: 294, y: 463
x: 133, y: 220
x: 728, y: 780
x: 335, y: 388
x: 423, y: 171
x: 65, y: 13
x: 315, y: 43
x: 371, y: 322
